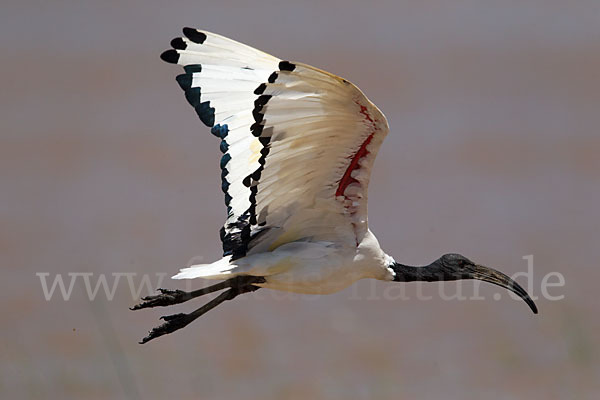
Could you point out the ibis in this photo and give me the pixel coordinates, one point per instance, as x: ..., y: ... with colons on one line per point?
x: 298, y: 147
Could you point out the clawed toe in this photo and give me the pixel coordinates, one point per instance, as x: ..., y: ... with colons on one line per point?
x: 165, y: 298
x: 171, y: 324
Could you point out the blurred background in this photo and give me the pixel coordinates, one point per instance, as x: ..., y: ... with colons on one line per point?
x: 494, y: 109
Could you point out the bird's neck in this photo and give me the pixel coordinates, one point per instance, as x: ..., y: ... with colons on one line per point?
x: 429, y: 273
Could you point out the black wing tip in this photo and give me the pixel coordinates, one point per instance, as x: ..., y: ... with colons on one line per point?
x: 178, y: 43
x: 261, y: 101
x: 192, y: 68
x: 194, y: 35
x: 184, y: 81
x: 206, y: 113
x: 171, y: 56
x: 261, y: 89
x: 286, y: 66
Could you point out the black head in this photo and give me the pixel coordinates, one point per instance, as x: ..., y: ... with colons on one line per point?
x: 451, y: 267
x: 456, y: 264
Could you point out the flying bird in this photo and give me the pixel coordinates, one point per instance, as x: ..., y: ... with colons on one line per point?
x: 298, y: 147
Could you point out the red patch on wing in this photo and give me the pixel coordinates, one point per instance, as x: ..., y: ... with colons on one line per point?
x: 347, y: 177
x: 360, y: 153
x: 363, y: 111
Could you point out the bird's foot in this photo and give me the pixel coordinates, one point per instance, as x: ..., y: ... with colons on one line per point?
x: 165, y: 298
x: 171, y: 324
x: 177, y: 321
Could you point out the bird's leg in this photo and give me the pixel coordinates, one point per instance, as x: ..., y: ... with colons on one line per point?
x: 169, y: 297
x: 178, y: 321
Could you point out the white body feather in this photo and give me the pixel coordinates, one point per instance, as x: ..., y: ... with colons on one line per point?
x: 304, y: 267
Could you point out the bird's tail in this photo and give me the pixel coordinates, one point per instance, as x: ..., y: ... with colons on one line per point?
x: 220, y: 269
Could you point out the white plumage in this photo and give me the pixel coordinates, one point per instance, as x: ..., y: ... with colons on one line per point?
x: 299, y: 148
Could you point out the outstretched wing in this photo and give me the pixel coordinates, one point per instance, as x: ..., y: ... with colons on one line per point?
x: 298, y: 143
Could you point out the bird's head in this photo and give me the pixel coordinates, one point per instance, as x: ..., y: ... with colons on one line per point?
x: 452, y: 267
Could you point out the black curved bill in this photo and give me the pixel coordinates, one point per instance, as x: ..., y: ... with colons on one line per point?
x: 486, y: 274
